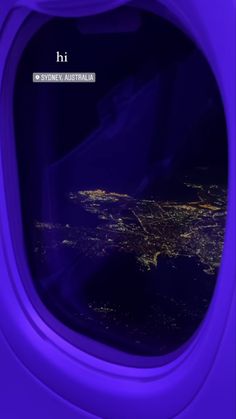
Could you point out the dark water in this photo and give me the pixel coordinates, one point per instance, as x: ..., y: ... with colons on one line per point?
x: 148, y: 313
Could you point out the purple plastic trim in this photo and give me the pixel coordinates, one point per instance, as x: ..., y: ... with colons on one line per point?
x: 104, y: 388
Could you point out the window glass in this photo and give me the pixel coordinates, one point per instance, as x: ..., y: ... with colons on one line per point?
x: 123, y: 181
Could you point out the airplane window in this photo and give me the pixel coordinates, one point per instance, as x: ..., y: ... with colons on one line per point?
x: 123, y: 181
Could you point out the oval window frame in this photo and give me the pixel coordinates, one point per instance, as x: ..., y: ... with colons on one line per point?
x: 24, y: 328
